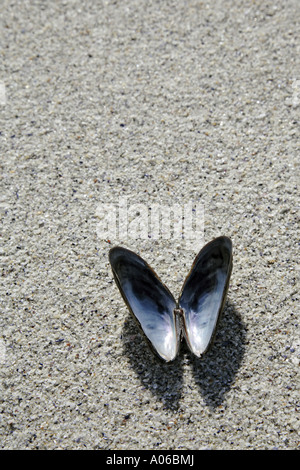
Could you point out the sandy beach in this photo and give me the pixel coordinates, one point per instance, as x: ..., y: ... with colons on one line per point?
x: 149, y: 104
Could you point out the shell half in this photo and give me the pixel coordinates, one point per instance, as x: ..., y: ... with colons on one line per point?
x: 203, y: 294
x: 150, y: 301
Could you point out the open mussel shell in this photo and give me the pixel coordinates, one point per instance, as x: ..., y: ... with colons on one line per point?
x: 163, y: 321
x: 148, y: 299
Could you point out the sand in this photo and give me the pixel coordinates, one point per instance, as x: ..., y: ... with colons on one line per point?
x: 153, y: 103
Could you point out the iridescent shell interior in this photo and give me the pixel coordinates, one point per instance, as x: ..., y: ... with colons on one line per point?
x: 163, y: 321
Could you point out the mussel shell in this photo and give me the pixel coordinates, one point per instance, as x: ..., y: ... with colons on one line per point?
x: 203, y: 294
x: 163, y: 321
x: 149, y: 300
